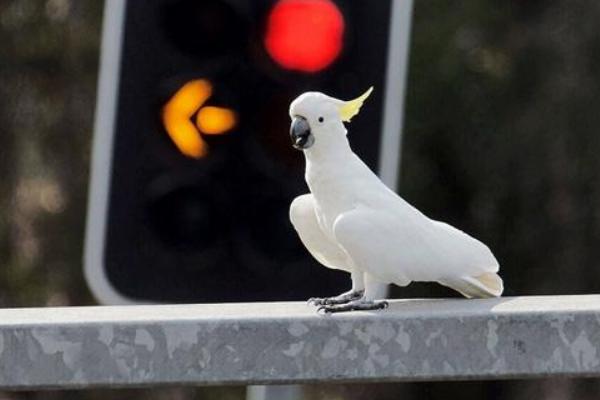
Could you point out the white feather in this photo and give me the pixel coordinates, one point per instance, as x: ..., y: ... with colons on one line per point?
x: 352, y: 221
x: 304, y: 219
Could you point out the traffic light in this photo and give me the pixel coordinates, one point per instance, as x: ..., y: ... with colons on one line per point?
x: 193, y: 169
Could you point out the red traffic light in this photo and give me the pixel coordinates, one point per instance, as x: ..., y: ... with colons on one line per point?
x: 304, y: 35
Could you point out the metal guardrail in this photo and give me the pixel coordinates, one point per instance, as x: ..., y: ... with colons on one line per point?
x: 275, y: 343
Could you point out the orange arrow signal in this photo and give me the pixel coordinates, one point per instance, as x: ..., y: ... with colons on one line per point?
x: 180, y: 109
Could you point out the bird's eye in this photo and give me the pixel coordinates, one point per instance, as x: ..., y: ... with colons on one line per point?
x: 321, y: 119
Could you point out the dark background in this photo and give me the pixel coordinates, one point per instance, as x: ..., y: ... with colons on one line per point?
x: 501, y: 140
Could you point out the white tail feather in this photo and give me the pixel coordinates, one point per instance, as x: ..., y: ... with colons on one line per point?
x: 481, y: 286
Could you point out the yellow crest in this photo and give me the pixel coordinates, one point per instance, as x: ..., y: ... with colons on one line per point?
x: 350, y: 108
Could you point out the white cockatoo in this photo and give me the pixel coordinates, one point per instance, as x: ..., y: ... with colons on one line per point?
x: 351, y: 221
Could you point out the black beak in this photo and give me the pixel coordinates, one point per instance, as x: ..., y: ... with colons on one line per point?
x: 302, y: 138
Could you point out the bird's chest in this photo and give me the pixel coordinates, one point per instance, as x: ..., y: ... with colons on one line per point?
x: 327, y: 213
x: 334, y: 190
x: 330, y: 204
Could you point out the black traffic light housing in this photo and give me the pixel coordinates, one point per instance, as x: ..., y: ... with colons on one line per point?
x: 166, y: 227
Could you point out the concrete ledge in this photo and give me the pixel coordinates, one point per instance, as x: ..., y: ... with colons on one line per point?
x: 274, y: 343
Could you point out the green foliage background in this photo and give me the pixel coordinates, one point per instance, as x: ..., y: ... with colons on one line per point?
x: 501, y: 139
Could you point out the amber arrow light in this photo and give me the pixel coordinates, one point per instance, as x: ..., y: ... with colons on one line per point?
x: 178, y: 113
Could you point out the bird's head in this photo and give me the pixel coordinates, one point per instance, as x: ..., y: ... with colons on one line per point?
x: 317, y: 117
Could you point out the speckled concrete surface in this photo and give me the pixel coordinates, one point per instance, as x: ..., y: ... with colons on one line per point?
x: 288, y: 342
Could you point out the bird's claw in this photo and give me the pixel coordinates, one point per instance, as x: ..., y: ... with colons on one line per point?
x: 357, y: 305
x: 341, y: 299
x: 316, y: 301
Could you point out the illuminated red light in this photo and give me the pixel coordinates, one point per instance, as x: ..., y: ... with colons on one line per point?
x: 304, y: 35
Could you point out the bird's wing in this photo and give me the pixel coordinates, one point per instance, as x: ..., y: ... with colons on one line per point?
x: 323, y: 249
x: 402, y: 247
x: 464, y: 246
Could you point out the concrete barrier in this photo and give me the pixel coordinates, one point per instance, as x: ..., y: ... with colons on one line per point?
x: 277, y: 343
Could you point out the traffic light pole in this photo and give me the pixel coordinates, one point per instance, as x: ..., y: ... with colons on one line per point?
x: 395, y: 93
x: 390, y: 147
x: 393, y: 112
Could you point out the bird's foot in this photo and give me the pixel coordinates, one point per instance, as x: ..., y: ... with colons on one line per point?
x: 341, y: 299
x: 355, y: 305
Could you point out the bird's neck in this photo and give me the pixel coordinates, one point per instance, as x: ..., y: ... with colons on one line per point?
x: 328, y: 151
x: 329, y: 163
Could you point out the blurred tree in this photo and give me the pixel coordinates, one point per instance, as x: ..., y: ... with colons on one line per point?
x: 501, y: 134
x: 49, y: 53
